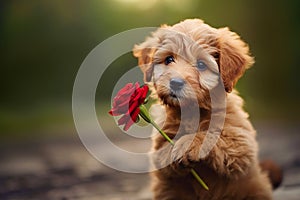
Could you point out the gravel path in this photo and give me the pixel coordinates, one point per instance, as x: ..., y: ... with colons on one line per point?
x: 63, y: 169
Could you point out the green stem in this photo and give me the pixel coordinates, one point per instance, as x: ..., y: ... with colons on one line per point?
x: 162, y: 133
x: 146, y: 116
x: 199, y: 179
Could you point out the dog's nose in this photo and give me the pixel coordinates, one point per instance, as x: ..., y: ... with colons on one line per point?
x: 176, y: 84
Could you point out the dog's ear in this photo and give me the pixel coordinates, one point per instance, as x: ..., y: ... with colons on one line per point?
x: 144, y: 52
x: 234, y: 57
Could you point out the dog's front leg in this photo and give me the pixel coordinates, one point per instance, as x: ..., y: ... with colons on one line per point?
x: 172, y: 160
x: 161, y: 159
x: 186, y: 150
x: 231, y: 156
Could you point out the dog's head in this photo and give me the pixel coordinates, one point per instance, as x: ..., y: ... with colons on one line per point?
x: 184, y: 61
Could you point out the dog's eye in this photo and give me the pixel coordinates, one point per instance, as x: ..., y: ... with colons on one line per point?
x: 201, y: 65
x: 169, y: 59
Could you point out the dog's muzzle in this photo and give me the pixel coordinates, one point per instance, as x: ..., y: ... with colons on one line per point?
x: 176, y: 84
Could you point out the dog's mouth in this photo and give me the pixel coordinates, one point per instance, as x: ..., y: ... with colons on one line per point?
x: 179, y: 95
x: 174, y: 95
x: 172, y: 98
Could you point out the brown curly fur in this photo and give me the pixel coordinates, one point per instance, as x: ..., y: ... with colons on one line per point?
x: 231, y: 169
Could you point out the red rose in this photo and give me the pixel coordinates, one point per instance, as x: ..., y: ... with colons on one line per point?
x: 127, y: 103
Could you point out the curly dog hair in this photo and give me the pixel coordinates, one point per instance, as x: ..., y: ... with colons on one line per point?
x: 183, y: 63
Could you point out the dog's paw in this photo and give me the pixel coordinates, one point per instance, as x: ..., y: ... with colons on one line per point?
x: 186, y: 150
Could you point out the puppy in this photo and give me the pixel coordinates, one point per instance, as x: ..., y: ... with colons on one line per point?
x: 184, y: 63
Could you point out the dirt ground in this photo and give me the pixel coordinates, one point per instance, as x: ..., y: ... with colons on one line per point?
x: 62, y: 168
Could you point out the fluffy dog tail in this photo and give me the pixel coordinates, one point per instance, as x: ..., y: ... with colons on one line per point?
x: 274, y: 172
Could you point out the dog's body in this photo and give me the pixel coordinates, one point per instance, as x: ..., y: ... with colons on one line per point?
x: 183, y: 62
x: 231, y: 170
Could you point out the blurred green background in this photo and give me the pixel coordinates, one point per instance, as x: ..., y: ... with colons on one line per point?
x: 43, y: 44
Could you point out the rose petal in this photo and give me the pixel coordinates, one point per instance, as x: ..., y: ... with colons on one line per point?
x: 128, y: 125
x: 137, y: 85
x: 134, y: 115
x: 116, y: 112
x: 144, y: 92
x: 123, y: 119
x: 146, y: 89
x: 132, y: 120
x: 111, y: 112
x: 133, y: 106
x: 127, y: 102
x: 136, y: 95
x: 125, y: 88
